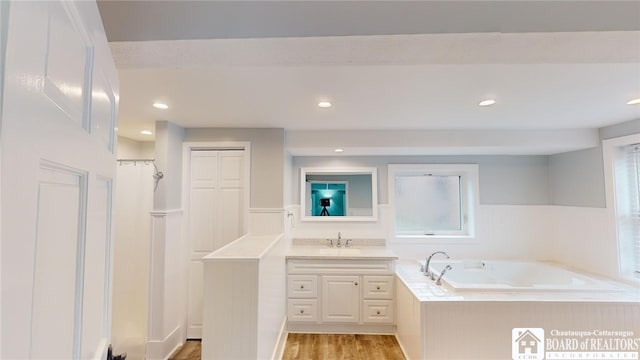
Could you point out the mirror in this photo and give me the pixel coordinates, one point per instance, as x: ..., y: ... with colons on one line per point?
x: 346, y: 194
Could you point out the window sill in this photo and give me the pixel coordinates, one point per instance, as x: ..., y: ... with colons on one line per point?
x: 632, y: 279
x: 435, y: 239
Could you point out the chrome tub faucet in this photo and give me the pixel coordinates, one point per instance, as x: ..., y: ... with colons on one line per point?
x: 446, y: 268
x: 425, y: 270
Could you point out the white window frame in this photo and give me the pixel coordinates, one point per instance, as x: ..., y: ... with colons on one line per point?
x: 616, y: 179
x: 469, y: 201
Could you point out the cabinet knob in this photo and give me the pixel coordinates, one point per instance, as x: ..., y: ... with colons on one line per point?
x: 377, y: 287
x: 378, y: 312
x: 356, y: 284
x: 301, y: 286
x: 301, y: 311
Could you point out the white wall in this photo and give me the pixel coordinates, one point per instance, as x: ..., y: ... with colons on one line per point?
x: 132, y: 149
x: 244, y: 299
x: 167, y: 277
x: 133, y: 202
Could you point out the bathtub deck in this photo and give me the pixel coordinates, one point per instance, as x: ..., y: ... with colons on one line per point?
x: 426, y: 290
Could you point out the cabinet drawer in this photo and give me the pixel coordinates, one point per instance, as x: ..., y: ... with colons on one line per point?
x: 302, y: 286
x: 302, y: 310
x: 378, y: 287
x: 378, y: 311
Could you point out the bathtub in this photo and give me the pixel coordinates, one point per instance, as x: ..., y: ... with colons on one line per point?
x: 474, y: 275
x: 474, y: 313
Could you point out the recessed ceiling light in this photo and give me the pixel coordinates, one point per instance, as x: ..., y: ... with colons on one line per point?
x: 160, y: 105
x: 487, y: 102
x: 338, y: 150
x: 634, y: 102
x: 324, y: 104
x: 146, y: 132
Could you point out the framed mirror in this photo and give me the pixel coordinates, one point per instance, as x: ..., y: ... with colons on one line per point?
x: 339, y: 194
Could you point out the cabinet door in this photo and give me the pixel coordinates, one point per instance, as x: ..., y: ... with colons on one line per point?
x: 341, y: 299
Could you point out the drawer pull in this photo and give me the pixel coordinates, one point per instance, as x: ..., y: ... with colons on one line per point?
x: 378, y: 312
x: 377, y: 287
x: 301, y: 287
x: 301, y: 311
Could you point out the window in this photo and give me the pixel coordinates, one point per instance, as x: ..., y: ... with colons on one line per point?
x: 633, y: 216
x: 628, y: 199
x: 622, y: 180
x: 432, y: 200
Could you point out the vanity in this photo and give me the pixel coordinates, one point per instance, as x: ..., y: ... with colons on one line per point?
x: 336, y: 284
x: 340, y: 290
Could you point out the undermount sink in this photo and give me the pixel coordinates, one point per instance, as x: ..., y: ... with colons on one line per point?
x: 340, y: 251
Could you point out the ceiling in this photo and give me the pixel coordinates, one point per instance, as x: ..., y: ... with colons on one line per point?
x: 385, y: 65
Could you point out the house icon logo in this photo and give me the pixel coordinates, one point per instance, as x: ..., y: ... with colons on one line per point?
x: 527, y: 343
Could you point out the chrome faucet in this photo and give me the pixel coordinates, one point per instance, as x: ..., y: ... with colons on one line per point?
x: 425, y: 270
x: 446, y: 268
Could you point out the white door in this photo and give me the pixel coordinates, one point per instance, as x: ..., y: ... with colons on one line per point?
x: 58, y: 115
x: 216, y: 217
x: 341, y: 299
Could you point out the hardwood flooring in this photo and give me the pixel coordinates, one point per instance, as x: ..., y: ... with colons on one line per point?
x: 342, y: 346
x: 191, y: 350
x: 321, y: 347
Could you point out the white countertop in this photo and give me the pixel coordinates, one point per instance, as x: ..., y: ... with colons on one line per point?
x: 359, y: 252
x: 245, y: 247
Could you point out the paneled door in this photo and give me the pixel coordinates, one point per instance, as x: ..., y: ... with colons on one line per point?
x: 59, y: 103
x: 216, y: 217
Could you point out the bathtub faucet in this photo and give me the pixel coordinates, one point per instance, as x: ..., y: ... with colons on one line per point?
x: 448, y: 267
x: 425, y: 270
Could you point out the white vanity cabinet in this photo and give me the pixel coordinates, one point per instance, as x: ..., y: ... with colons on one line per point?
x: 302, y: 302
x: 354, y: 295
x: 341, y: 298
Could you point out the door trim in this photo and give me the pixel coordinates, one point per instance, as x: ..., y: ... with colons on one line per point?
x: 187, y: 148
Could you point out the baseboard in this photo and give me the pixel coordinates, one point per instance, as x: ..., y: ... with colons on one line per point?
x: 101, y: 351
x: 341, y: 329
x: 404, y: 352
x: 278, y: 352
x: 162, y: 349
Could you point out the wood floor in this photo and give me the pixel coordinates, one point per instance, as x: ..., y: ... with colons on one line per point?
x: 352, y: 347
x: 191, y: 350
x: 321, y: 347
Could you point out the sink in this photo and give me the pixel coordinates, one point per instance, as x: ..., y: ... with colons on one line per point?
x: 340, y: 251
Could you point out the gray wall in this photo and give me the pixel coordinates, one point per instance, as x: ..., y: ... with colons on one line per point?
x: 267, y: 160
x: 168, y: 155
x: 506, y: 180
x: 622, y: 129
x: 577, y: 178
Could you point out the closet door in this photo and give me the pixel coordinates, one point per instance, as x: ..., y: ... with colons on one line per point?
x: 216, y: 217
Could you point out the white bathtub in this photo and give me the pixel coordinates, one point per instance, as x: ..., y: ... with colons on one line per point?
x: 514, y: 275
